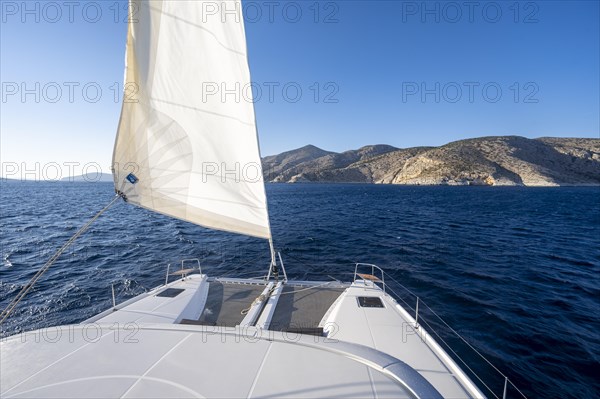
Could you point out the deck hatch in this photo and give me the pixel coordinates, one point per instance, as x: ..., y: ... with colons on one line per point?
x: 170, y: 292
x: 370, y: 302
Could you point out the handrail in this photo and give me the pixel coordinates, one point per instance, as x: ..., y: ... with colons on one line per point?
x: 422, y: 303
x: 192, y: 260
x: 183, y: 272
x: 373, y: 267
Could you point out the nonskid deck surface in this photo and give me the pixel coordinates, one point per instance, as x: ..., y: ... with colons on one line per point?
x: 340, y: 313
x: 390, y: 329
x: 179, y: 361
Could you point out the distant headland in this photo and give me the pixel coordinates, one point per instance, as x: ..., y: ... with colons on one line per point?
x: 492, y: 161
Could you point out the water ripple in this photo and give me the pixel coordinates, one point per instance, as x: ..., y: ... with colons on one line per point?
x: 514, y: 270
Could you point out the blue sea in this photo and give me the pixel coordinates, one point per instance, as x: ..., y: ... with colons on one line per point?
x: 515, y: 270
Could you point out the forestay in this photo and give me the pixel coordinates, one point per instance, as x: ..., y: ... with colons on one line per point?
x: 187, y: 144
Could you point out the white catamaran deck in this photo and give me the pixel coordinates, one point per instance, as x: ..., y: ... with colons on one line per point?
x: 196, y: 158
x: 201, y: 337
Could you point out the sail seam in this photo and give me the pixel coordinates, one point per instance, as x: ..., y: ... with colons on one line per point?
x: 256, y: 229
x: 199, y: 27
x: 235, y: 179
x: 165, y: 196
x: 201, y: 110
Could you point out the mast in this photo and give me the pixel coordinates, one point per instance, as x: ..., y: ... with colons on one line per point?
x: 273, y: 270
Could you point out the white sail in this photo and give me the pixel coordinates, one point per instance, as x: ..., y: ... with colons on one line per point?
x: 187, y: 144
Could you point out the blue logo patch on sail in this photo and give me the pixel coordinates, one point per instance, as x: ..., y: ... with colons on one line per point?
x: 132, y: 178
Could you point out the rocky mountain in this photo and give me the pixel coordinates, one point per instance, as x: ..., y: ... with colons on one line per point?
x: 293, y: 167
x: 277, y: 164
x: 498, y: 161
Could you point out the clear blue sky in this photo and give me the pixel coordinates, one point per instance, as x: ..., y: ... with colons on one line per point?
x: 372, y: 58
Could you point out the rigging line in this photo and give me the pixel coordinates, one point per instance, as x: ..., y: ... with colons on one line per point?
x: 27, y: 287
x: 458, y: 336
x: 463, y: 339
x: 259, y: 299
x: 231, y: 273
x: 460, y: 358
x: 239, y: 267
x: 302, y: 261
x: 306, y: 289
x: 395, y: 281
